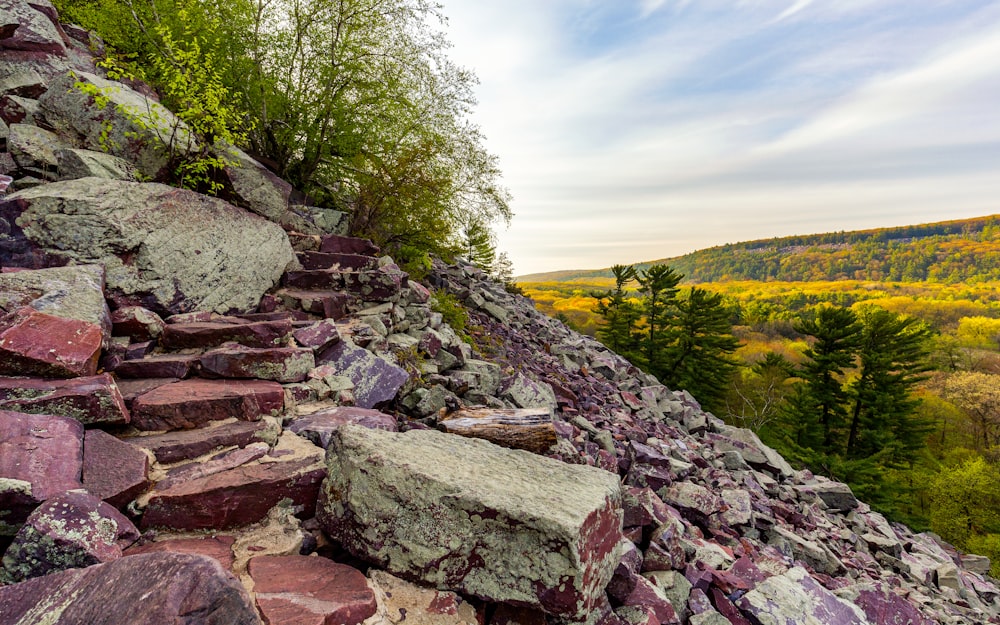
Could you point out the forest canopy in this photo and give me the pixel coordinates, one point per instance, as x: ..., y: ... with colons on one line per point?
x: 355, y: 102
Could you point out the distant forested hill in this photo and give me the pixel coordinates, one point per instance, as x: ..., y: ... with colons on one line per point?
x: 951, y: 251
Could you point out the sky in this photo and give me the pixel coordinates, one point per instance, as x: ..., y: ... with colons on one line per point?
x: 632, y: 130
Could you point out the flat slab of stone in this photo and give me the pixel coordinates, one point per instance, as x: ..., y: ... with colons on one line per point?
x: 74, y: 529
x: 112, y: 469
x: 376, y: 380
x: 317, y: 336
x: 333, y: 260
x: 35, y: 343
x: 242, y: 495
x: 40, y: 456
x: 90, y: 400
x: 130, y: 389
x: 528, y: 429
x: 208, y: 334
x: 330, y: 304
x: 795, y: 597
x: 302, y: 590
x: 75, y: 292
x: 280, y: 364
x: 192, y: 403
x: 319, y: 426
x: 153, y: 589
x: 188, y: 444
x: 217, y: 547
x: 336, y: 244
x: 466, y: 515
x: 158, y: 366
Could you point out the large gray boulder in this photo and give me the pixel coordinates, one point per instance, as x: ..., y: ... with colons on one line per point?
x: 167, y: 249
x: 110, y: 117
x: 466, y: 515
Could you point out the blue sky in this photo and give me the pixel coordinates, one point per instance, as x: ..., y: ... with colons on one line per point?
x: 643, y: 129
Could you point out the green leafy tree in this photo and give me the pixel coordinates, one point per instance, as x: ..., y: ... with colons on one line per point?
x: 965, y: 501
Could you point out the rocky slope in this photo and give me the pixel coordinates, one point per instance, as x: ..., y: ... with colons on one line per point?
x: 227, y: 412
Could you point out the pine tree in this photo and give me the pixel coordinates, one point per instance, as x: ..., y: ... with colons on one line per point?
x: 618, y: 313
x: 658, y: 285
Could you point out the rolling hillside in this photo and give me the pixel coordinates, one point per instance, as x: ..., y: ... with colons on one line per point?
x: 960, y: 251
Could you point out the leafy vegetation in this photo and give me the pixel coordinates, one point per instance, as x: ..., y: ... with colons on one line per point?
x: 891, y: 386
x: 355, y: 102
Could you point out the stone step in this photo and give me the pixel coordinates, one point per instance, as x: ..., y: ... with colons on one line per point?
x: 35, y: 343
x: 130, y: 389
x: 89, y: 400
x: 329, y: 304
x: 323, y: 260
x: 158, y: 366
x: 178, y: 446
x: 204, y: 335
x: 369, y: 285
x: 281, y: 364
x: 301, y: 589
x: 336, y: 244
x: 192, y: 403
x: 241, y: 495
x: 113, y: 470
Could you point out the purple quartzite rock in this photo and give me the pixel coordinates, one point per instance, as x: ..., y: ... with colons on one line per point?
x: 219, y: 548
x: 466, y: 515
x: 337, y: 244
x: 36, y: 32
x: 236, y: 497
x: 160, y: 366
x: 300, y: 590
x: 152, y: 589
x: 318, y: 336
x: 206, y: 334
x: 319, y: 426
x: 91, y: 400
x: 187, y: 444
x: 137, y: 323
x: 884, y: 607
x: 192, y: 403
x: 376, y: 380
x: 34, y: 343
x: 71, y: 530
x: 40, y: 456
x: 327, y: 260
x: 113, y: 470
x: 795, y: 597
x: 281, y: 364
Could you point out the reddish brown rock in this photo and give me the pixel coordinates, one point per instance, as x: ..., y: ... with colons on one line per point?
x: 187, y: 444
x: 71, y: 530
x: 192, y: 403
x: 130, y: 389
x: 319, y: 426
x: 219, y: 548
x: 328, y: 260
x: 34, y: 343
x: 137, y: 323
x: 152, y: 589
x: 237, y: 497
x: 40, y: 456
x: 530, y: 429
x: 113, y: 470
x: 315, y: 279
x: 159, y: 366
x: 643, y: 508
x: 281, y: 364
x: 223, y: 461
x: 330, y: 304
x: 317, y: 336
x: 90, y: 400
x: 203, y: 335
x: 336, y: 244
x: 302, y: 590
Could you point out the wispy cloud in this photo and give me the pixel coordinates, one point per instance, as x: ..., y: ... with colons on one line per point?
x: 655, y: 129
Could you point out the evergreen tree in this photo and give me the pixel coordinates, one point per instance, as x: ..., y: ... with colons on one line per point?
x: 697, y: 354
x: 658, y: 285
x: 478, y: 246
x: 618, y: 312
x: 893, y: 358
